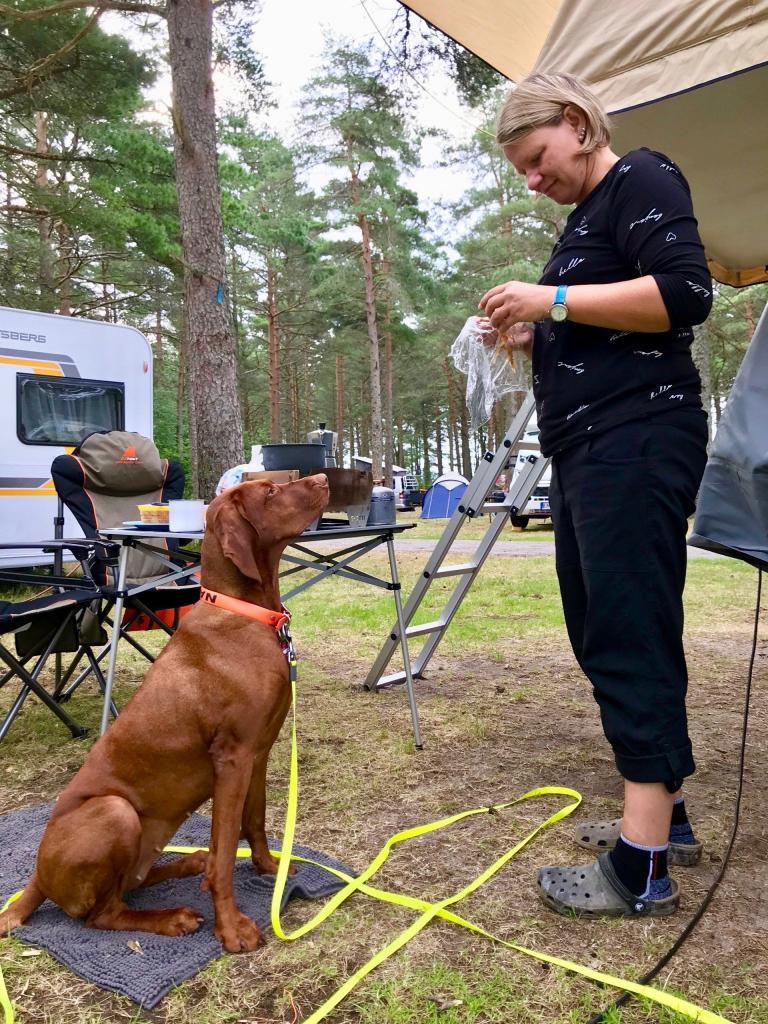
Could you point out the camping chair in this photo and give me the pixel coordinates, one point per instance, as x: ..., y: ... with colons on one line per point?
x: 101, y: 483
x: 64, y: 620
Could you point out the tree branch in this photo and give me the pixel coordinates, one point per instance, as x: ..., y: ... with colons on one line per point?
x: 31, y: 210
x: 42, y: 157
x: 73, y: 5
x: 38, y: 71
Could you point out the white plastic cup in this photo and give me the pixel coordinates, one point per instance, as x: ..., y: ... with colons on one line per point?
x: 186, y: 516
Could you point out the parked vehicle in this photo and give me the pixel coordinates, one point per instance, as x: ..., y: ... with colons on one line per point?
x: 404, y: 484
x: 61, y: 378
x: 537, y: 506
x: 408, y: 495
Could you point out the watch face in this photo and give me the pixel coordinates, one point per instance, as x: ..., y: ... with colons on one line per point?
x: 558, y: 312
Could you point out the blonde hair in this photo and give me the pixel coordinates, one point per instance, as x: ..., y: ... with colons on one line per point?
x: 541, y: 100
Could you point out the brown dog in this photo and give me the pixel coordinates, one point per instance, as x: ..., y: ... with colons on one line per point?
x: 201, y: 725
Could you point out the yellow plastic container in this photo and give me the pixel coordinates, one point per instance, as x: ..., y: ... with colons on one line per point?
x: 157, y: 514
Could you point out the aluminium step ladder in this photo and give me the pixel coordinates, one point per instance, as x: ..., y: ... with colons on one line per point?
x: 474, y: 503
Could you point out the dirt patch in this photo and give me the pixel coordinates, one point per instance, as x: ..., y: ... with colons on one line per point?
x: 495, y: 724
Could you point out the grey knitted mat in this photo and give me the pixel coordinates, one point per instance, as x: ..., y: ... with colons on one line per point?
x: 105, y: 958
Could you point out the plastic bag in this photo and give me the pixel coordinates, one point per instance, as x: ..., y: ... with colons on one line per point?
x: 231, y: 478
x: 490, y: 374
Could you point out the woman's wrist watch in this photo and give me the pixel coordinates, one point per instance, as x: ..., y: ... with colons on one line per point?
x: 558, y: 311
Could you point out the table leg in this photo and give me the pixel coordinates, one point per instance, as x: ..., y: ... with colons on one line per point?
x: 117, y: 618
x: 404, y: 643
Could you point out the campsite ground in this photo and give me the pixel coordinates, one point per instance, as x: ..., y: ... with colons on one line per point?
x: 504, y: 709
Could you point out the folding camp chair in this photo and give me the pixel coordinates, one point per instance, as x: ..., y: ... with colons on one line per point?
x: 63, y: 620
x: 102, y: 482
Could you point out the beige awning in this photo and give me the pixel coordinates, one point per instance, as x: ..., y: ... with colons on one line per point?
x: 687, y: 77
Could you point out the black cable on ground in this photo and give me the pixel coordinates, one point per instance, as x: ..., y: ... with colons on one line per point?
x: 599, y: 1017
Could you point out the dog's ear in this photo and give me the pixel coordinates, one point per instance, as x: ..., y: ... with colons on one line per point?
x: 236, y: 535
x: 249, y: 498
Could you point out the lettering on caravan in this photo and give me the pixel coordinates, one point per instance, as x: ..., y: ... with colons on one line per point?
x: 22, y: 336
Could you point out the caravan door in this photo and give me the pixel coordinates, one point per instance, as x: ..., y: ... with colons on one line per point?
x: 61, y: 378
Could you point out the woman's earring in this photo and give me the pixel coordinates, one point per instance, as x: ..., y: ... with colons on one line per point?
x: 582, y: 134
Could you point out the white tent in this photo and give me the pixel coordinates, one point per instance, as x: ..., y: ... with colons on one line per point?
x: 687, y: 77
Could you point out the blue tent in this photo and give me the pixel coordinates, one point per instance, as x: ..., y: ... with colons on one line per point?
x: 443, y: 497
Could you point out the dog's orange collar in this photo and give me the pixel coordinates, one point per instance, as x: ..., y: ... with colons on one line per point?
x: 251, y: 611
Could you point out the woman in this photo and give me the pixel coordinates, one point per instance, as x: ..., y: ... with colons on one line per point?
x: 619, y: 411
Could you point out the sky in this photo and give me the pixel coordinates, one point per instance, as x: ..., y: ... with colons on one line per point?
x: 290, y: 37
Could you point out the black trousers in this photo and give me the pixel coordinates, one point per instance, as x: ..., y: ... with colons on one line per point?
x: 620, y: 504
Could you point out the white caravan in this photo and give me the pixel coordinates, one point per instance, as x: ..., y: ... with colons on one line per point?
x: 61, y: 378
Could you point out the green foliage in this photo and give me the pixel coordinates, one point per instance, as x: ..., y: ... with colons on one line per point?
x: 93, y: 228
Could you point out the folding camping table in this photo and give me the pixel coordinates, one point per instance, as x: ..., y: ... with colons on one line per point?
x: 351, y: 543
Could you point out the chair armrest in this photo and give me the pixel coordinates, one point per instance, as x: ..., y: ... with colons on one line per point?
x: 81, y: 547
x: 84, y: 550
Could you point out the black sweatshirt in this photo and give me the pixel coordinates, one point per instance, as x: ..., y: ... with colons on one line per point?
x: 638, y: 220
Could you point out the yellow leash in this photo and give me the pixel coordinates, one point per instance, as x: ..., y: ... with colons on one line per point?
x: 427, y: 911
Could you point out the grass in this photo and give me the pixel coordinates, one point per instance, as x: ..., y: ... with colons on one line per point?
x: 503, y: 709
x: 432, y: 529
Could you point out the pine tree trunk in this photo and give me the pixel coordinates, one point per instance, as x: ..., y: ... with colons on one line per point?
x: 453, y: 451
x: 295, y: 410
x: 425, y: 444
x: 389, y: 456
x: 273, y: 360
x: 340, y: 406
x: 10, y: 247
x: 105, y: 291
x: 308, y: 416
x: 182, y: 403
x: 215, y: 417
x: 44, y: 227
x: 701, y: 354
x: 466, y: 457
x: 65, y: 286
x: 158, y: 334
x: 366, y: 259
x: 365, y: 426
x: 439, y: 445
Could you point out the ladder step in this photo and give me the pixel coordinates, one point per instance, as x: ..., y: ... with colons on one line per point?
x: 425, y: 627
x: 391, y: 679
x: 455, y: 570
x: 495, y: 506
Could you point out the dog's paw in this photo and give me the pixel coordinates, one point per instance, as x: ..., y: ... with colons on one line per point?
x: 264, y: 864
x: 182, y: 921
x: 239, y: 934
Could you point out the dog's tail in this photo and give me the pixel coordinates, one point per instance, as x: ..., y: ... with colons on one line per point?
x: 18, y: 911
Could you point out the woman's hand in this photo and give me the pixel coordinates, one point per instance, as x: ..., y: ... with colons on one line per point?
x: 516, y: 302
x: 519, y: 337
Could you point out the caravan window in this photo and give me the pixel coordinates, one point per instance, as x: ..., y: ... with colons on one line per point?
x: 64, y: 410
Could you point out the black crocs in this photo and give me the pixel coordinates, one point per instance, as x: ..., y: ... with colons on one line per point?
x: 603, y: 835
x: 595, y: 890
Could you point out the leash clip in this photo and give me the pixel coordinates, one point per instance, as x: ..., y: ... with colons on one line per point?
x: 286, y: 645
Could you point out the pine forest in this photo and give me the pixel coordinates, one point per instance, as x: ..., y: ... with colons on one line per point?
x: 281, y: 281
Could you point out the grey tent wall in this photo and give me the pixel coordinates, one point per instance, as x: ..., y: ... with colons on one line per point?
x: 732, y: 510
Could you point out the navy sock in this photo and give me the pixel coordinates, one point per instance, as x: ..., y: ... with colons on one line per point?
x: 643, y: 869
x: 680, y: 830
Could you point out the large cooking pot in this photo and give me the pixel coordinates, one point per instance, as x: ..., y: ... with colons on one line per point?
x: 347, y: 488
x: 307, y: 458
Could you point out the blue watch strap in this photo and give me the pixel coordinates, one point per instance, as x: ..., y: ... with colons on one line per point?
x: 560, y: 294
